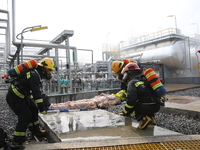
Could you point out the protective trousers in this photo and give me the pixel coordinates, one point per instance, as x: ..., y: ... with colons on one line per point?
x: 27, y: 114
x: 148, y: 110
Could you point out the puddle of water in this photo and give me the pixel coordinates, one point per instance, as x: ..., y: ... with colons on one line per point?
x: 82, y: 120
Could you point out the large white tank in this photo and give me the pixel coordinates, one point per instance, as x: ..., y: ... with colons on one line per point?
x: 178, y: 56
x: 170, y: 54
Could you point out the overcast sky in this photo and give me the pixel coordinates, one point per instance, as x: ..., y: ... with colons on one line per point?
x: 96, y: 22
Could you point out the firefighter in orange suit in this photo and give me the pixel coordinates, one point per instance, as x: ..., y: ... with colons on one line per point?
x: 25, y: 98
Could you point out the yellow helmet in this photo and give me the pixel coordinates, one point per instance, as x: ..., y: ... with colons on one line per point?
x: 117, y: 66
x: 47, y: 63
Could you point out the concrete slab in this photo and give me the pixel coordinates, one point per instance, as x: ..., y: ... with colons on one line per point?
x: 185, y: 105
x: 96, y: 125
x: 183, y: 102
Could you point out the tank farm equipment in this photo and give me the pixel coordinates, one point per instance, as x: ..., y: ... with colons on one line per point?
x: 91, y: 77
x: 170, y: 58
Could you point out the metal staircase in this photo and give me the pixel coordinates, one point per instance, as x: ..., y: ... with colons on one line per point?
x: 4, y: 40
x: 4, y: 36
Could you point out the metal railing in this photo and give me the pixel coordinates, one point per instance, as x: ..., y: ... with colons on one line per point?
x: 146, y: 37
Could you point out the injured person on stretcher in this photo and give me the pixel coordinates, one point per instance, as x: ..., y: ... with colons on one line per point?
x: 101, y: 101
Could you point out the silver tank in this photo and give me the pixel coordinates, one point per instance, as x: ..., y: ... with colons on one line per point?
x: 177, y: 57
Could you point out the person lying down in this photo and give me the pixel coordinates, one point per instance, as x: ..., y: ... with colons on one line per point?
x: 101, y: 101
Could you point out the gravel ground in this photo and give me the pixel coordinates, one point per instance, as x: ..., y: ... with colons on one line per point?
x: 8, y: 118
x: 178, y: 123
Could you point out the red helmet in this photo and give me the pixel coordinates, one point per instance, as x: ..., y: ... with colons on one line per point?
x: 129, y: 67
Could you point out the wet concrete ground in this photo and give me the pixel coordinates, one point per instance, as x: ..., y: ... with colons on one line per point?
x: 97, y: 124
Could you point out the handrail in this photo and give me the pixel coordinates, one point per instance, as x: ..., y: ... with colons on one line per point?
x: 150, y: 36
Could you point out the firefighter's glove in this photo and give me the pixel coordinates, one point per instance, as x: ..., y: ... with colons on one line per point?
x: 121, y: 95
x: 43, y: 112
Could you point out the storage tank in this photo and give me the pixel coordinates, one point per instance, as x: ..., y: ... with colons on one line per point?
x: 178, y: 56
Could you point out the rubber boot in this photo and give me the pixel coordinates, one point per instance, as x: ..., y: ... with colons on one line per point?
x: 153, y: 122
x: 144, y: 122
x: 39, y: 135
x: 17, y: 146
x: 6, y: 146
